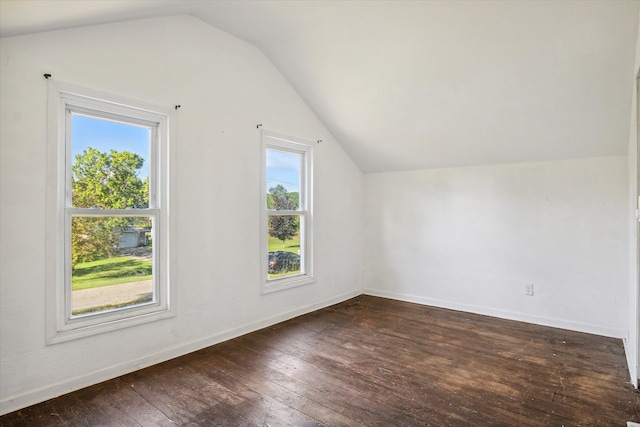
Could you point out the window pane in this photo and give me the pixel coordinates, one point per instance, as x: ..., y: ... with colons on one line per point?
x: 284, y: 246
x: 111, y: 263
x: 110, y: 164
x: 283, y: 180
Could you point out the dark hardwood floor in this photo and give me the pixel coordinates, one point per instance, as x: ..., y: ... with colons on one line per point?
x: 369, y: 362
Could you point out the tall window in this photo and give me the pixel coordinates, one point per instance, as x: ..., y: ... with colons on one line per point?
x: 111, y: 217
x: 287, y: 216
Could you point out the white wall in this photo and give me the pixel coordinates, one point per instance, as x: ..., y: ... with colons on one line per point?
x: 471, y: 238
x: 225, y: 87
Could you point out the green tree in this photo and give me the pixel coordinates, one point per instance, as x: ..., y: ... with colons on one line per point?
x: 282, y: 227
x: 105, y: 181
x: 108, y: 180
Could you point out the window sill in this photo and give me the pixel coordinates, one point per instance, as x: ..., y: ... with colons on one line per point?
x: 83, y: 331
x: 288, y: 283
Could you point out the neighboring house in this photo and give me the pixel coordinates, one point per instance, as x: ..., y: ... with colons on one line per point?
x: 134, y: 237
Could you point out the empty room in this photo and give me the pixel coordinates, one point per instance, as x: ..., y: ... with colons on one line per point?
x: 319, y: 213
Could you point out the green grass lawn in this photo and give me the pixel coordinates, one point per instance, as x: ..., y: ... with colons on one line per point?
x: 110, y: 271
x: 292, y: 245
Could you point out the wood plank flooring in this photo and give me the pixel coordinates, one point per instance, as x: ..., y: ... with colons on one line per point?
x: 369, y: 362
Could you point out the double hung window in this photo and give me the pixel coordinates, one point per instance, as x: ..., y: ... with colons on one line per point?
x: 111, y: 230
x: 287, y: 250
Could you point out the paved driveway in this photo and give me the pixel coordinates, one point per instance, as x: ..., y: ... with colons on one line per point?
x: 85, y: 299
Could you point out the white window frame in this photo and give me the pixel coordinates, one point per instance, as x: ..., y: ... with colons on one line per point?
x: 272, y: 140
x: 63, y: 100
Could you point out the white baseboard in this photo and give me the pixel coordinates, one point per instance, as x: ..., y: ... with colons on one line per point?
x: 31, y: 397
x: 503, y: 314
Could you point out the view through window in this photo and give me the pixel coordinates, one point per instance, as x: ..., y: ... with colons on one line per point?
x: 111, y: 229
x: 284, y: 218
x: 286, y: 221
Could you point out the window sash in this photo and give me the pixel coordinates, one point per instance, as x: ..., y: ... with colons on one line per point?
x: 156, y: 272
x: 112, y: 212
x: 282, y: 212
x: 303, y: 245
x: 154, y: 142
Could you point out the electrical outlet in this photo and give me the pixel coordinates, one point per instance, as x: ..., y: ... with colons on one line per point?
x: 528, y: 289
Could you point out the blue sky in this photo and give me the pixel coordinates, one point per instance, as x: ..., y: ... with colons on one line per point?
x: 283, y: 168
x: 104, y: 136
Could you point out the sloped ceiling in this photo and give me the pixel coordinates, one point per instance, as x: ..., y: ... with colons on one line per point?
x: 408, y: 85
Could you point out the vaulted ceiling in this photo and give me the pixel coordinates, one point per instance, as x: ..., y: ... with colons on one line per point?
x: 410, y: 85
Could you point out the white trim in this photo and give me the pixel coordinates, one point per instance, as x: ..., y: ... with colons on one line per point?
x: 272, y: 140
x: 630, y: 366
x: 22, y: 400
x: 502, y: 314
x: 113, y: 212
x: 60, y: 324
